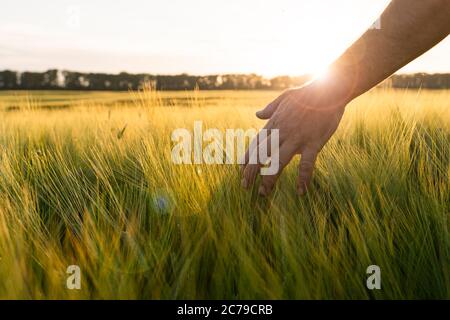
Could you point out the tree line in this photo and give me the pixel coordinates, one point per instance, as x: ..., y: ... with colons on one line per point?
x: 69, y: 80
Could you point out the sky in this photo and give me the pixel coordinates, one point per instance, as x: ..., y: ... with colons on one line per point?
x: 268, y: 37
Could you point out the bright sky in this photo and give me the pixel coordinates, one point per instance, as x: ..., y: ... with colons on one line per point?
x: 268, y: 37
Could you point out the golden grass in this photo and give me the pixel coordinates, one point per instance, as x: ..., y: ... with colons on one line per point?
x: 93, y: 185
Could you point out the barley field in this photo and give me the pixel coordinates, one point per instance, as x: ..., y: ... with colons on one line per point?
x: 86, y: 179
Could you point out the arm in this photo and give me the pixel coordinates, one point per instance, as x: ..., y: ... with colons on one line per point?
x: 308, y: 116
x: 408, y: 28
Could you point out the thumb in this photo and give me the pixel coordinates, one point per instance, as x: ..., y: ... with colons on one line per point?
x: 306, y: 169
x: 268, y: 111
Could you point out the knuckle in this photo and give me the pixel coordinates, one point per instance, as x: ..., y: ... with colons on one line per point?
x: 307, y: 165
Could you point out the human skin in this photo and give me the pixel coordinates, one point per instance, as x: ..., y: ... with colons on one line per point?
x: 307, y: 117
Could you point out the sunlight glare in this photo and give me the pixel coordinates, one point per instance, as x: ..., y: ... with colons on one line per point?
x: 321, y: 74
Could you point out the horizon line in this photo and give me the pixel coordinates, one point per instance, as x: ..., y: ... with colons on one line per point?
x: 202, y: 75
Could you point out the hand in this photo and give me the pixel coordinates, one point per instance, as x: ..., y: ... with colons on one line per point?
x: 306, y: 118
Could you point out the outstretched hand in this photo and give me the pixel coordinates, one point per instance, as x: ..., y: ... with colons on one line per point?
x: 306, y: 119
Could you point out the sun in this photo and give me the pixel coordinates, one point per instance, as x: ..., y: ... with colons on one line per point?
x: 321, y: 73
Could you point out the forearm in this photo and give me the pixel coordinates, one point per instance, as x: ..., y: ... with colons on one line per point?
x: 408, y: 28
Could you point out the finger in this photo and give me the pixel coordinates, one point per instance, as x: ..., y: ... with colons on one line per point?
x: 306, y: 169
x: 258, y: 156
x: 261, y: 136
x: 269, y: 110
x: 286, y: 153
x: 250, y: 150
x: 249, y: 175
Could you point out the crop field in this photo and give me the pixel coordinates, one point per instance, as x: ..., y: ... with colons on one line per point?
x: 87, y: 179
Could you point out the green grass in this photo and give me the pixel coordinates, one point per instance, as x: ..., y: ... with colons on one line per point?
x: 80, y: 185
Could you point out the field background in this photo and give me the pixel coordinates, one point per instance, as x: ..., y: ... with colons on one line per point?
x: 86, y: 178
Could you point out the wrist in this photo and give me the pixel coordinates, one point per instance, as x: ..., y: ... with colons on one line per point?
x: 334, y: 90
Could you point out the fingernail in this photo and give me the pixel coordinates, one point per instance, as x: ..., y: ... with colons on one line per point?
x: 301, y: 191
x: 262, y: 191
x: 244, y: 183
x: 260, y: 114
